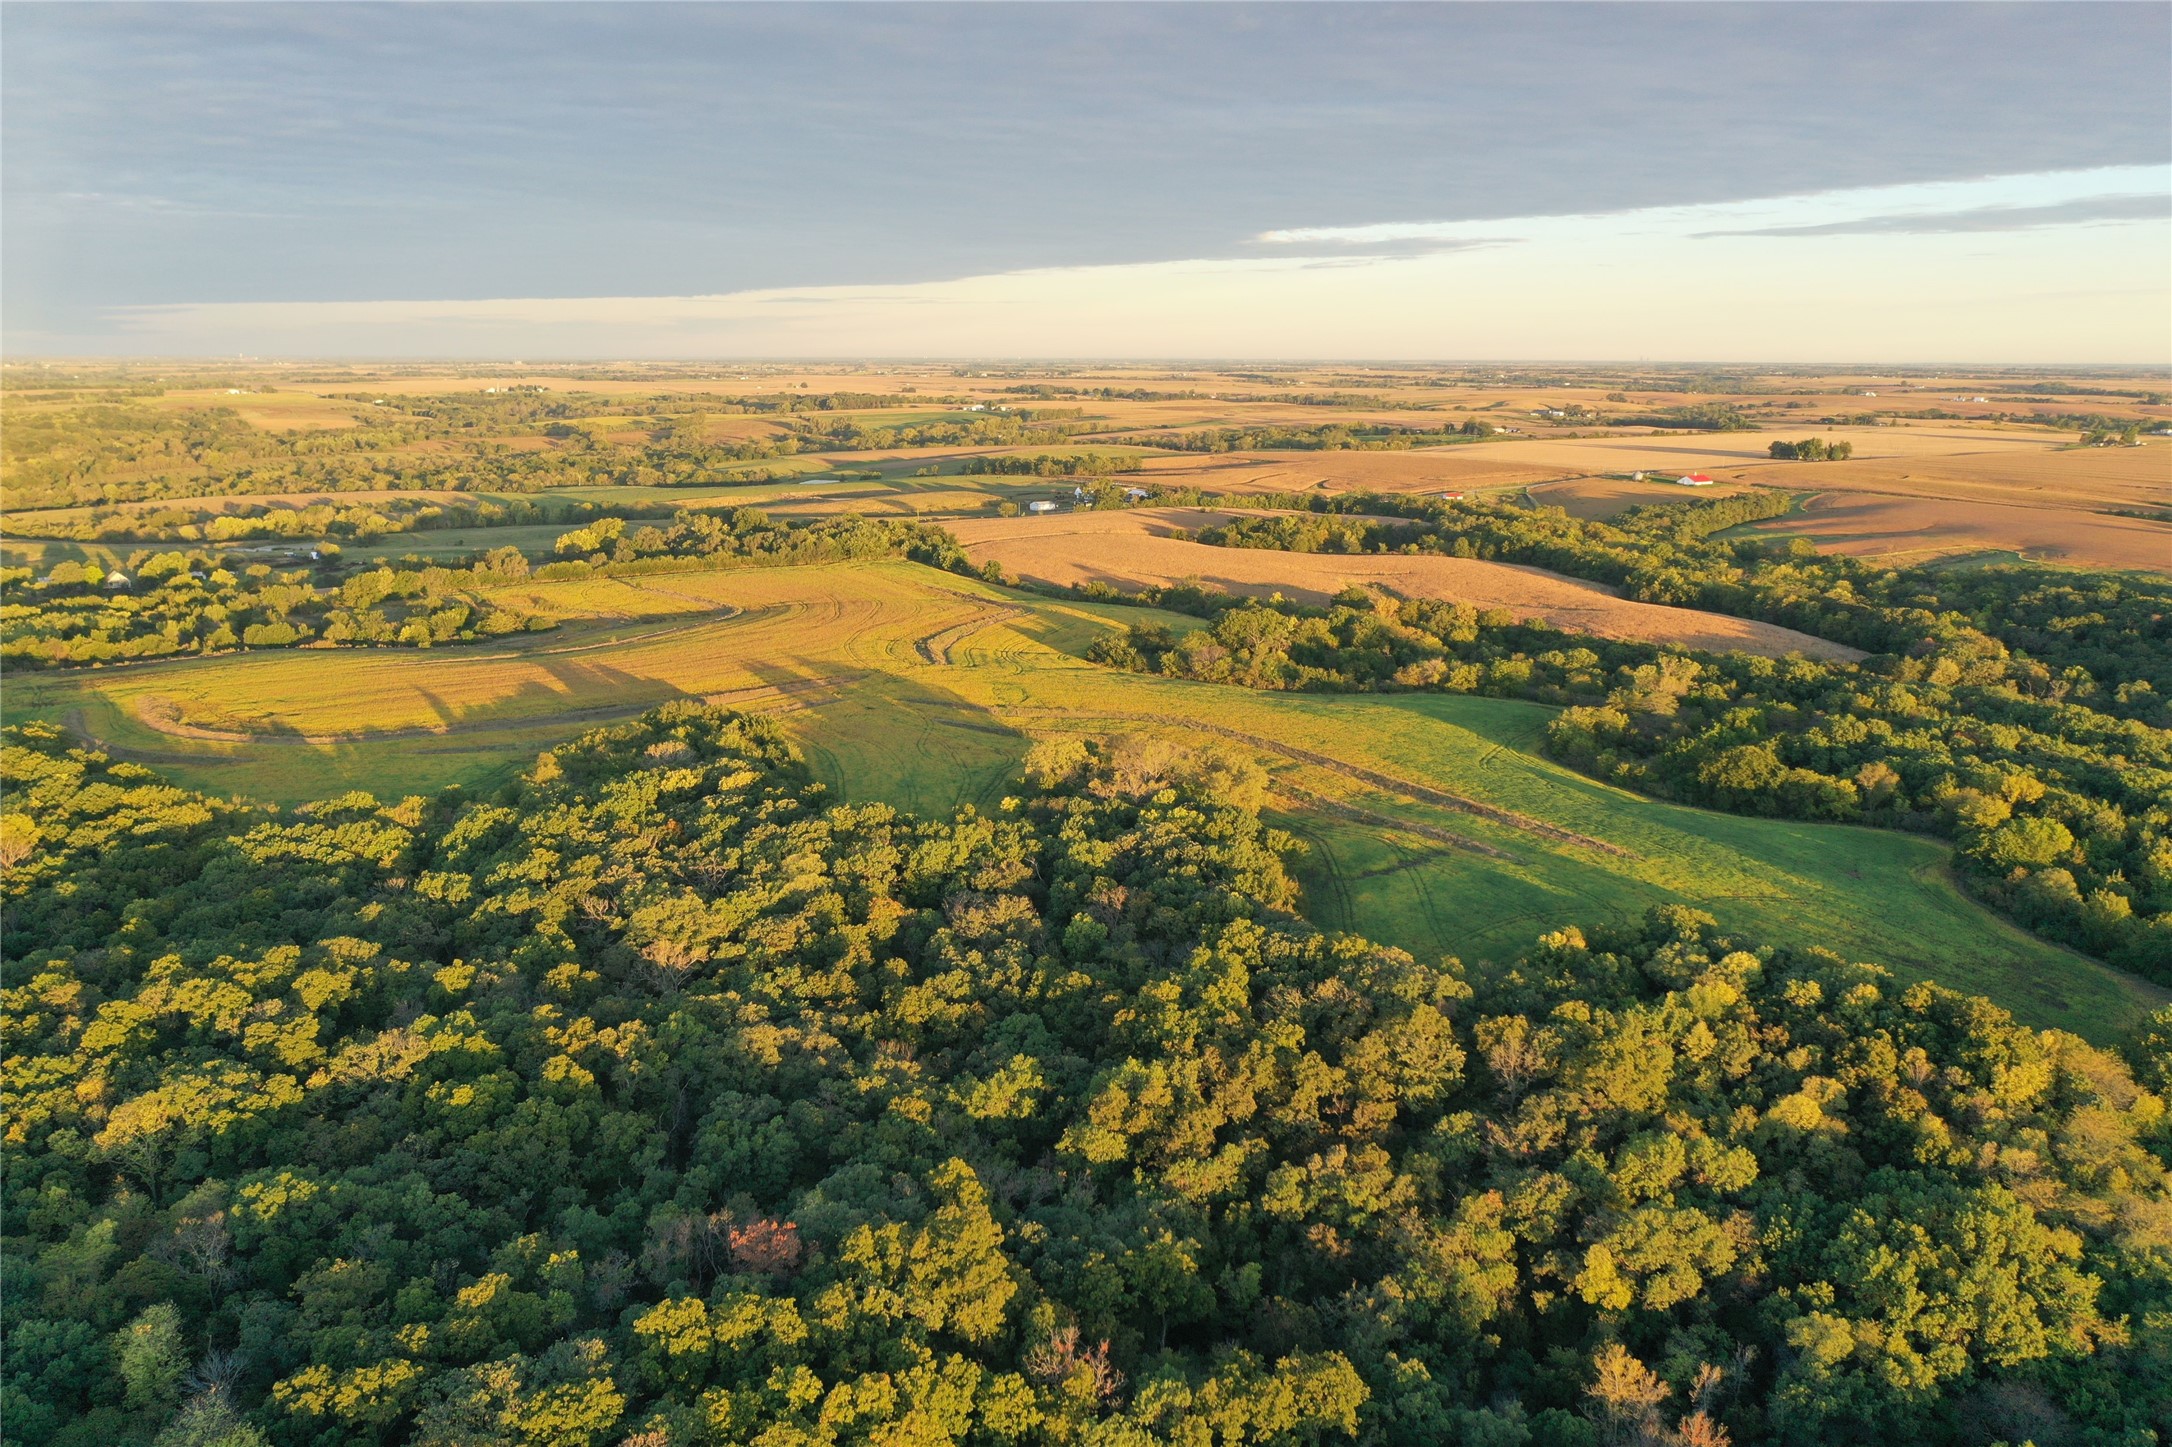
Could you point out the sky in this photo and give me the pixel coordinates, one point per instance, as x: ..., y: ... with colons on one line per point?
x: 1919, y: 181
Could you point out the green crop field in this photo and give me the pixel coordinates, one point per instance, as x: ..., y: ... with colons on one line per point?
x: 457, y: 542
x: 1430, y: 821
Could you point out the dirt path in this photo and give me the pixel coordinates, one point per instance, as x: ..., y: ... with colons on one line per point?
x: 936, y: 647
x: 1423, y: 793
x: 1388, y: 783
x: 1322, y: 804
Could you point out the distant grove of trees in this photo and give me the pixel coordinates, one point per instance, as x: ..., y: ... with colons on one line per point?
x: 1814, y: 449
x: 658, y: 1098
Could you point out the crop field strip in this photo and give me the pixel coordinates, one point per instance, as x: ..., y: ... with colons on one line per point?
x: 1956, y: 443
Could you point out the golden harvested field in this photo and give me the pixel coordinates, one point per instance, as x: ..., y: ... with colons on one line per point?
x: 1911, y: 491
x: 1712, y: 451
x: 2043, y: 475
x: 1134, y: 549
x: 1471, y: 467
x: 2047, y: 504
x: 1605, y: 497
x: 1235, y: 410
x: 1914, y: 529
x: 1433, y: 820
x: 281, y: 411
x: 1522, y: 461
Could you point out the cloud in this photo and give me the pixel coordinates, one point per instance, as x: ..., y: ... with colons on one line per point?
x: 352, y: 152
x: 2080, y: 211
x: 1363, y: 249
x: 1400, y: 291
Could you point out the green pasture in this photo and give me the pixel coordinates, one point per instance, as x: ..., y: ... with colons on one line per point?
x: 457, y: 542
x: 924, y: 690
x: 44, y: 553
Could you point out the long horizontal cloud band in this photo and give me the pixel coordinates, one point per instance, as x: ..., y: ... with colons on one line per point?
x: 1698, y: 282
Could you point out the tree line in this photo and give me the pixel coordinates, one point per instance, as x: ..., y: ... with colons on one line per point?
x: 1043, y: 464
x: 356, y: 522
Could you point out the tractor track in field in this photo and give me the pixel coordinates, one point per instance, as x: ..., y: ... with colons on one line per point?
x: 1356, y: 814
x: 1423, y: 793
x: 936, y: 647
x: 1388, y: 783
x: 1339, y: 902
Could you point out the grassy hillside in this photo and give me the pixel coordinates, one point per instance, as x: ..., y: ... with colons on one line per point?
x: 1432, y: 821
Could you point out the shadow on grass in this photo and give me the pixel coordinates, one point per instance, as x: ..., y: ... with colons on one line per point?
x: 889, y: 738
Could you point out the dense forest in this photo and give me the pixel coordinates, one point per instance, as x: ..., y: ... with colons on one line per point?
x: 749, y: 537
x: 2019, y: 713
x: 657, y: 1098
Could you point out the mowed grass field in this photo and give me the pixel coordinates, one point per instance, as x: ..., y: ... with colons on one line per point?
x: 1431, y: 822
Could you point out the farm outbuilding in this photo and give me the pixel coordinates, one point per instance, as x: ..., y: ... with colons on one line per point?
x: 1694, y: 479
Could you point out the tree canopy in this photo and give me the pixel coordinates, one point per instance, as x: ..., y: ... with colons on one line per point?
x: 659, y: 1098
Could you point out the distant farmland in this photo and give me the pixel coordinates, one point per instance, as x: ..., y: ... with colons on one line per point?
x: 1432, y: 820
